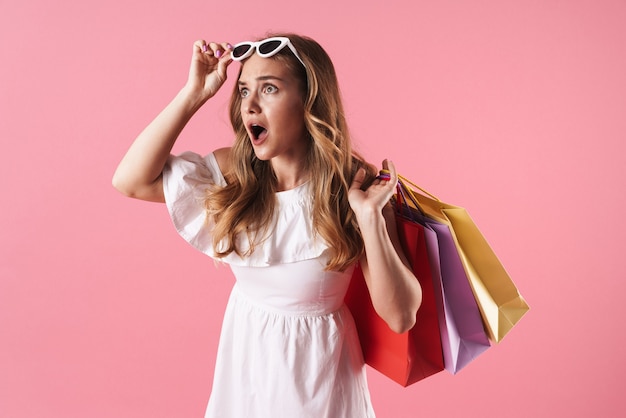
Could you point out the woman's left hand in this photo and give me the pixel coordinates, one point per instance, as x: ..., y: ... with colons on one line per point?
x: 372, y: 200
x: 395, y: 292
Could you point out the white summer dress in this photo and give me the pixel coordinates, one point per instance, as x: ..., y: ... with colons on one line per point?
x: 288, y: 346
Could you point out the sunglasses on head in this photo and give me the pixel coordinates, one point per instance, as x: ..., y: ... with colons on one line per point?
x: 265, y: 48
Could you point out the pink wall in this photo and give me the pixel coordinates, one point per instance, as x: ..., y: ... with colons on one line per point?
x: 515, y: 110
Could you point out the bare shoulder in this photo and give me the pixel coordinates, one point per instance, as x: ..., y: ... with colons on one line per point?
x: 222, y: 156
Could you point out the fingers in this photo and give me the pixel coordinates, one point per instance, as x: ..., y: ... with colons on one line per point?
x: 388, y: 172
x: 391, y: 167
x: 359, y: 177
x: 199, y: 46
x: 215, y: 55
x: 217, y: 50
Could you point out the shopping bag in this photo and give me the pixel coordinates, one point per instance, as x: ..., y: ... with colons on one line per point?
x: 463, y: 336
x: 416, y: 354
x: 500, y: 303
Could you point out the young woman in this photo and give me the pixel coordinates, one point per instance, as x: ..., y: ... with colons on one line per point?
x: 291, y: 208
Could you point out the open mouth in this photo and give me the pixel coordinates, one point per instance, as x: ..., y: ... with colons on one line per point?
x: 258, y: 132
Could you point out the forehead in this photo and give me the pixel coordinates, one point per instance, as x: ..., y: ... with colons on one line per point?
x: 256, y: 67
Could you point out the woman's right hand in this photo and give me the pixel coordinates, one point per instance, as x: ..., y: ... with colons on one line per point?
x: 139, y: 174
x: 208, y: 68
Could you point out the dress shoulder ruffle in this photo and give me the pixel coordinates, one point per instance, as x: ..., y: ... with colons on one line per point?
x: 289, y: 239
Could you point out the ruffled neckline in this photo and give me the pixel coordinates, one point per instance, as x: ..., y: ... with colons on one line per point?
x: 296, y: 193
x: 292, y: 237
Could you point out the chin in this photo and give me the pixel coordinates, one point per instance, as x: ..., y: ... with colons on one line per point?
x: 261, y: 156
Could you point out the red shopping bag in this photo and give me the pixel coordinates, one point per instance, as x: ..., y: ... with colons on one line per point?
x: 416, y: 354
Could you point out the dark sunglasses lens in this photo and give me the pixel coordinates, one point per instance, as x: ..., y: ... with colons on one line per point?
x: 240, y: 50
x: 268, y: 47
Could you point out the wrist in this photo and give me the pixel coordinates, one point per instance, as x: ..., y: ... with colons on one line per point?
x: 192, y: 97
x: 368, y: 216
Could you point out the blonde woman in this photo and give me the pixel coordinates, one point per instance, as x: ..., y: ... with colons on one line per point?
x: 291, y: 208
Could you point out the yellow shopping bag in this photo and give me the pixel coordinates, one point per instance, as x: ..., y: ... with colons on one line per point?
x: 501, y: 305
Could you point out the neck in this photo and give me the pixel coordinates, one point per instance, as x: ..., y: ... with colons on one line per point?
x: 290, y: 176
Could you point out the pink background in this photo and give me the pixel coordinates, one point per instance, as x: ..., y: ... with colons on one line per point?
x: 515, y: 110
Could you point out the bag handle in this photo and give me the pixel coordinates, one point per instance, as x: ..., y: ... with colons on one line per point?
x: 405, y: 180
x: 401, y: 203
x: 385, y: 174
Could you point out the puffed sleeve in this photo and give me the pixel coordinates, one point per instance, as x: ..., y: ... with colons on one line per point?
x: 186, y: 179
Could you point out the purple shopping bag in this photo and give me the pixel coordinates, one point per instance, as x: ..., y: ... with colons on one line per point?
x: 463, y: 335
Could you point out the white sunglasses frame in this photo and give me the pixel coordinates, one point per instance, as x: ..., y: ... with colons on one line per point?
x: 255, y: 46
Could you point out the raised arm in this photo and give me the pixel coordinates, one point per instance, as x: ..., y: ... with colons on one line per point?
x: 396, y: 294
x: 139, y: 174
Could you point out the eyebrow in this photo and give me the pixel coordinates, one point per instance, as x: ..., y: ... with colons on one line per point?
x: 262, y: 78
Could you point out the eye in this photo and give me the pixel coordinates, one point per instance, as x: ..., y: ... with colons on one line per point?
x: 269, y: 89
x: 243, y: 92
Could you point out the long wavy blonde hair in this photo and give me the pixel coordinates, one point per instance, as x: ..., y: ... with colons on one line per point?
x: 246, y: 204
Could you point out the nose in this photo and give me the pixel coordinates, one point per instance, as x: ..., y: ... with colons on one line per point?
x: 251, y: 103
